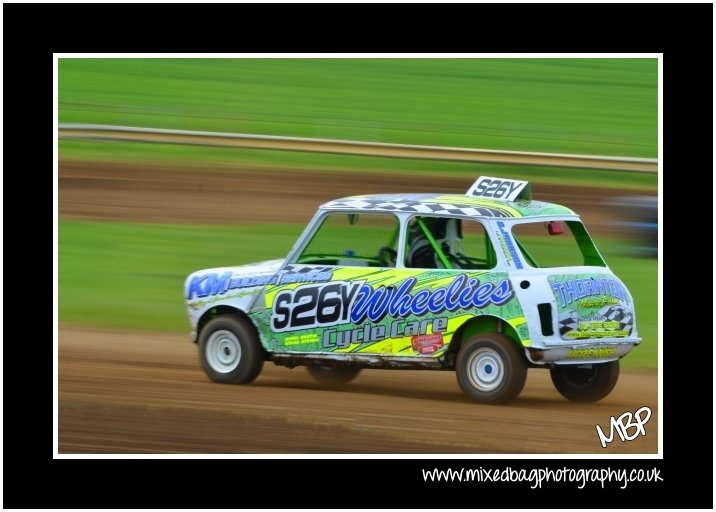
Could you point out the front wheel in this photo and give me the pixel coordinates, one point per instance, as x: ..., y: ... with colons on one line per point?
x: 333, y: 375
x: 585, y: 383
x: 229, y: 350
x: 490, y: 368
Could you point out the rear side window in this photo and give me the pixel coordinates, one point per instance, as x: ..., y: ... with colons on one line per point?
x: 556, y: 244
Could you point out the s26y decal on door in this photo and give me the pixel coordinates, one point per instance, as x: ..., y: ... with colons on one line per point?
x: 313, y: 306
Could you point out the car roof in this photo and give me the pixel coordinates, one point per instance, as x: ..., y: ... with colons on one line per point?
x: 448, y: 204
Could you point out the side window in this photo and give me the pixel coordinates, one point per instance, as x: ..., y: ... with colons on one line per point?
x: 477, y: 246
x: 436, y: 242
x: 556, y: 244
x: 354, y: 239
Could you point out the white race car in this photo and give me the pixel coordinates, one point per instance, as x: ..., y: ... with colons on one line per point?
x: 487, y: 284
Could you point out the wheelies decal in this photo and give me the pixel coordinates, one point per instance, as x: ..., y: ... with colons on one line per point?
x: 396, y: 311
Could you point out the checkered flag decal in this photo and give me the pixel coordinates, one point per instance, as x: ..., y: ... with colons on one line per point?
x: 418, y: 207
x: 568, y: 321
x: 625, y: 319
x: 301, y: 269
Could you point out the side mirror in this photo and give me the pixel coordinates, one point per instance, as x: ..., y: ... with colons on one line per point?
x: 556, y: 228
x: 352, y: 218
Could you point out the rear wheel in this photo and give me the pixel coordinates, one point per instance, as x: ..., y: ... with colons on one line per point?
x: 490, y: 368
x: 585, y: 383
x: 229, y: 350
x: 333, y: 375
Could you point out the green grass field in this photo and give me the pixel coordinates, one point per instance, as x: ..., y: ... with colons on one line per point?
x: 591, y: 106
x: 131, y: 276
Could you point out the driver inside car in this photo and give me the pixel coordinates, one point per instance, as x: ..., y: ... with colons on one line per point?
x: 447, y: 233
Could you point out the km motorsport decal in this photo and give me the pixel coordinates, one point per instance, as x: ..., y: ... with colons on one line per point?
x: 213, y: 283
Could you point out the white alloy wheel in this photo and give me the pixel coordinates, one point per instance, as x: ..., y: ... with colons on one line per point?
x: 223, y: 351
x: 230, y: 350
x: 486, y: 369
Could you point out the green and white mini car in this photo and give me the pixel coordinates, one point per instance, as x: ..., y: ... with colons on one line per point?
x: 487, y: 284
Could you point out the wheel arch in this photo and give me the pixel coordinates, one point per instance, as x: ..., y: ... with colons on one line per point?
x: 220, y: 310
x: 479, y: 324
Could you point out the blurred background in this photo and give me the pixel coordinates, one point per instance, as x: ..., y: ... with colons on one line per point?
x: 251, y: 204
x: 136, y: 218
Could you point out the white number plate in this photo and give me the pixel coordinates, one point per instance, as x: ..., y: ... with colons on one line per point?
x: 497, y: 188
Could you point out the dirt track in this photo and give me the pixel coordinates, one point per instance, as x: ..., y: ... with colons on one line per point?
x: 170, y: 194
x: 146, y: 393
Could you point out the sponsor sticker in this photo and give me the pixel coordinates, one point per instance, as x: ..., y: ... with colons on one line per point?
x: 427, y: 344
x: 590, y: 353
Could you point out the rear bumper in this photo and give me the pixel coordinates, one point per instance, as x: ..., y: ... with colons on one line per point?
x: 582, y: 353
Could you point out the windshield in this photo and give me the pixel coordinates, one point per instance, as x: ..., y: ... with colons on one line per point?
x: 365, y: 239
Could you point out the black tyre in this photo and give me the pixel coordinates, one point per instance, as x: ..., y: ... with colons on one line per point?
x: 333, y: 375
x: 490, y: 368
x: 581, y: 383
x: 229, y: 350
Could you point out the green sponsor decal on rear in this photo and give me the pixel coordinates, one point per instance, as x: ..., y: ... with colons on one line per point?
x: 592, y: 306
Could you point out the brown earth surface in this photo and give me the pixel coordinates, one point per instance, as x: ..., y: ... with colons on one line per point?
x: 128, y: 392
x: 153, y: 193
x: 146, y: 393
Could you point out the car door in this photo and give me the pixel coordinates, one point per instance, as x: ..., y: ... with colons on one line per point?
x: 309, y: 308
x: 371, y: 294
